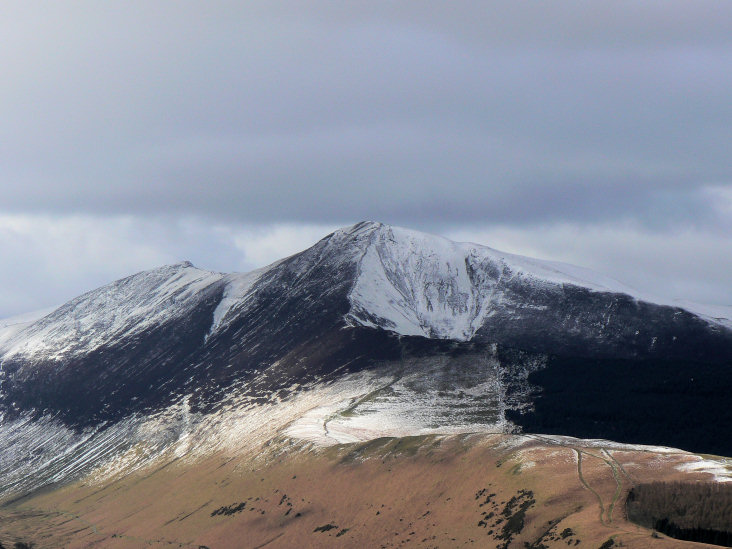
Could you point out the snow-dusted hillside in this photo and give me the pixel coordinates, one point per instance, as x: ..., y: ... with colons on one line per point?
x: 375, y: 330
x: 113, y: 312
x: 405, y: 281
x: 419, y: 284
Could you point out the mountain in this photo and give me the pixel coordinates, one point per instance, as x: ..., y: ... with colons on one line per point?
x: 375, y: 330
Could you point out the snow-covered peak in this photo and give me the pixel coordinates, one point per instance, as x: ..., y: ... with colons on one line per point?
x: 406, y: 281
x: 121, y: 308
x: 415, y: 283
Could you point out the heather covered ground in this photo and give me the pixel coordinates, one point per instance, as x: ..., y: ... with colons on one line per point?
x: 429, y: 491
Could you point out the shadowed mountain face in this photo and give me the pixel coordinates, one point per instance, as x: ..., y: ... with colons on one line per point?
x: 681, y: 404
x: 373, y: 298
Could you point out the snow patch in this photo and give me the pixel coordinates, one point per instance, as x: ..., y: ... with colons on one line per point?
x: 720, y: 469
x: 236, y: 293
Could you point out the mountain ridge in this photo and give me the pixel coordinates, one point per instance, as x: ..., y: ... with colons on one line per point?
x: 408, y: 242
x: 372, y: 331
x: 178, y: 330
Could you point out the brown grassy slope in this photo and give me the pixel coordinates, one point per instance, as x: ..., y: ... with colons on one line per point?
x: 457, y: 491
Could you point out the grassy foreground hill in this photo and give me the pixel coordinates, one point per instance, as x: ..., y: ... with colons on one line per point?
x: 476, y: 490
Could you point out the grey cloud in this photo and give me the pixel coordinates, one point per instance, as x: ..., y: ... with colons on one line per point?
x: 138, y: 133
x: 330, y: 112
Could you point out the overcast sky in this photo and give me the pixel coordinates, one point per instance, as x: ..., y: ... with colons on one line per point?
x: 134, y: 134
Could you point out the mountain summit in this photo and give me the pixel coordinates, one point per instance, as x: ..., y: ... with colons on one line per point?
x: 395, y: 279
x: 407, y: 332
